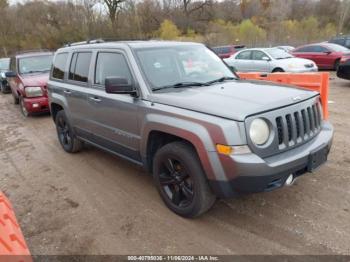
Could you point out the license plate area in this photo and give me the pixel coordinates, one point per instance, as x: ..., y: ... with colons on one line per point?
x: 317, y: 158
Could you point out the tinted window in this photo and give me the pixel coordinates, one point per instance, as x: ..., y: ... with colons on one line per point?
x: 320, y: 49
x: 111, y: 65
x: 347, y: 43
x: 59, y: 65
x: 244, y: 55
x: 79, y: 68
x: 258, y: 55
x: 35, y: 64
x: 305, y: 49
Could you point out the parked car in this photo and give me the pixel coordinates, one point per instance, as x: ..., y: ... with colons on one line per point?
x: 286, y: 48
x: 325, y: 55
x: 4, y: 67
x: 227, y: 50
x: 341, y: 40
x: 344, y: 68
x: 203, y: 133
x: 28, y: 76
x: 269, y: 60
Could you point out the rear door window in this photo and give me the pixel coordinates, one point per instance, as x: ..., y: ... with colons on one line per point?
x: 79, y: 67
x: 59, y: 66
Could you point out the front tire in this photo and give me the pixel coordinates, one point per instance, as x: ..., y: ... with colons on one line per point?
x: 23, y: 108
x: 181, y: 181
x: 65, y: 134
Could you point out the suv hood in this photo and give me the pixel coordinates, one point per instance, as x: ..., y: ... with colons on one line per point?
x: 234, y: 100
x: 35, y: 79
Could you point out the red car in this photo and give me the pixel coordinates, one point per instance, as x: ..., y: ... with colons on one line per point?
x: 227, y: 51
x: 325, y: 55
x: 28, y: 76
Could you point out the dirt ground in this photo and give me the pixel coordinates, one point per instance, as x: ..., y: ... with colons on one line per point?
x: 95, y: 203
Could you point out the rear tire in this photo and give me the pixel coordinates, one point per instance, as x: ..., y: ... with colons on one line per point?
x: 65, y: 134
x: 181, y: 181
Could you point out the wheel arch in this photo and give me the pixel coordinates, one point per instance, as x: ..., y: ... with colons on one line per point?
x: 157, y: 134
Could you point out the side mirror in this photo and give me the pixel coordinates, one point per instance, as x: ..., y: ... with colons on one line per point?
x: 10, y: 74
x: 118, y: 85
x: 265, y: 58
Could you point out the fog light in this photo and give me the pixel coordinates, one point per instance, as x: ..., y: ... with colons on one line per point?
x: 290, y: 180
x: 35, y: 105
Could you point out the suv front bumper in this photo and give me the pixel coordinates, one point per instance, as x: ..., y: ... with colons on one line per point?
x: 251, y: 174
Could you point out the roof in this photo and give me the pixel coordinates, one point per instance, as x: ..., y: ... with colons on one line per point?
x: 131, y: 44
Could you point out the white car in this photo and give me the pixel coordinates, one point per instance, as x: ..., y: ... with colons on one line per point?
x: 269, y: 60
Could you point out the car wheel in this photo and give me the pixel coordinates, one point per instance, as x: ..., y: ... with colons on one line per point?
x: 66, y: 135
x: 336, y: 65
x: 181, y: 181
x: 2, y: 88
x: 278, y: 70
x: 23, y: 108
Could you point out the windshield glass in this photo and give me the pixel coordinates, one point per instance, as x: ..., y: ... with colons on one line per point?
x: 277, y: 53
x: 35, y: 64
x: 169, y: 66
x: 4, y: 63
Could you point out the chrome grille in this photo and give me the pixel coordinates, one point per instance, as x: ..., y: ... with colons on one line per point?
x: 298, y: 126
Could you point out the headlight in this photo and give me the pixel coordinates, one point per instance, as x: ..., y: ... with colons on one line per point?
x: 3, y: 75
x: 33, y: 91
x: 259, y: 131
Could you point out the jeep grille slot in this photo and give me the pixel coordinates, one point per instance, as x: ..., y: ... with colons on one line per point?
x: 299, y: 126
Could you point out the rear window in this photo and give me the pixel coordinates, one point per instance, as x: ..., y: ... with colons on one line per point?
x: 59, y: 66
x: 79, y: 68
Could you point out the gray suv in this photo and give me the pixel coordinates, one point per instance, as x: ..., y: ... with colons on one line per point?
x: 177, y: 110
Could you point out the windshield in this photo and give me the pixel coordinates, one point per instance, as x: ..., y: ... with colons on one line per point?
x: 277, y: 53
x: 4, y: 63
x: 35, y: 64
x: 169, y: 66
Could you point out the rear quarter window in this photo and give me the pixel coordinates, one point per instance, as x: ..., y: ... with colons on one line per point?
x: 59, y: 66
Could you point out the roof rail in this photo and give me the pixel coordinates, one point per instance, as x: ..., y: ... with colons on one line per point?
x: 102, y: 40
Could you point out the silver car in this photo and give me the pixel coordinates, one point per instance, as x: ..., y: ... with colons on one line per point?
x: 269, y: 60
x: 179, y: 112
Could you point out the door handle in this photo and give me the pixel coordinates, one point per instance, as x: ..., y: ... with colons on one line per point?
x: 68, y: 92
x: 95, y: 99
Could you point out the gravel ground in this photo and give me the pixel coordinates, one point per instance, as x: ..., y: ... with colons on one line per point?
x: 95, y: 203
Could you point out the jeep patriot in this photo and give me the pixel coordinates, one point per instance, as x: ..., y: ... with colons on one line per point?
x: 177, y: 110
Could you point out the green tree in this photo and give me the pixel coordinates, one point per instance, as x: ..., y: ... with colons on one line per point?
x: 168, y: 30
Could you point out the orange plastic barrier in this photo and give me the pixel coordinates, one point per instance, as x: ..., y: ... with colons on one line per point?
x: 312, y: 81
x: 12, y: 244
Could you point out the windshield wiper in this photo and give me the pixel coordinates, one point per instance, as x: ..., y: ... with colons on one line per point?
x: 180, y: 85
x: 222, y: 79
